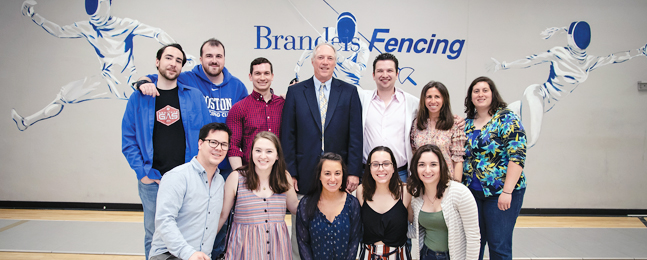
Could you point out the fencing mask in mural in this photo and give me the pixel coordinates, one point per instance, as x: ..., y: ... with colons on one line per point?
x: 579, y: 34
x: 346, y: 27
x: 98, y: 10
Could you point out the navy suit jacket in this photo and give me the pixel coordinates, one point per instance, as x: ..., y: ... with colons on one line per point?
x: 301, y: 130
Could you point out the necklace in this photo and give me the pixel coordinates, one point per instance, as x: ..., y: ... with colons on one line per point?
x: 264, y: 188
x: 432, y: 201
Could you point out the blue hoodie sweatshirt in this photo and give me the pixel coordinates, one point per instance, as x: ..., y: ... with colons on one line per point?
x: 218, y: 98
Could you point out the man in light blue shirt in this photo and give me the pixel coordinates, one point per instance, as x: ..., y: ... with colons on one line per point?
x: 189, y: 200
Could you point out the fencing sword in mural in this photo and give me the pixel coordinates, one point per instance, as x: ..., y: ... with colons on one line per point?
x: 569, y: 66
x: 352, y: 53
x: 112, y: 39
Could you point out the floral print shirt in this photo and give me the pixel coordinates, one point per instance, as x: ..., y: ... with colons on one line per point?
x: 487, y: 155
x: 320, y: 239
x: 451, y: 142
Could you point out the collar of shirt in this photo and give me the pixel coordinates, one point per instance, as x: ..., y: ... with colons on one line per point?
x: 397, y: 96
x: 326, y: 89
x: 257, y: 96
x: 200, y: 170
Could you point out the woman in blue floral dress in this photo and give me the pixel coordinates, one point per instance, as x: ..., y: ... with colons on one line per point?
x: 328, y: 219
x: 495, y: 152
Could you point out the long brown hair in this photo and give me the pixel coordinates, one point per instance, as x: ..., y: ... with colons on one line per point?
x: 445, y: 119
x: 368, y: 183
x: 497, y: 101
x: 278, y: 181
x: 415, y: 185
x: 312, y: 198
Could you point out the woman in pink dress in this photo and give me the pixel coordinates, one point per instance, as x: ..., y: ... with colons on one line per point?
x: 436, y: 125
x: 264, y: 189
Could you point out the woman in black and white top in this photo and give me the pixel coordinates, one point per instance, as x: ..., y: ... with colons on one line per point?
x: 384, y: 208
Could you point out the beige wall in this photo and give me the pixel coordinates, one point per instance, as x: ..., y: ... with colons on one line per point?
x: 591, y: 153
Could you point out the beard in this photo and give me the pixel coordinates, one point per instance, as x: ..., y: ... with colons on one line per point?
x: 167, y: 75
x: 211, y: 74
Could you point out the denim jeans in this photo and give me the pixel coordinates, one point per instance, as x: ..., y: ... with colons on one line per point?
x: 428, y: 254
x: 165, y: 256
x: 403, y: 175
x: 293, y: 234
x: 148, y: 195
x: 219, y: 243
x: 225, y: 173
x: 496, y: 225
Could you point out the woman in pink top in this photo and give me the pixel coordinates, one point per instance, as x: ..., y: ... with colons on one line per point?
x: 436, y: 125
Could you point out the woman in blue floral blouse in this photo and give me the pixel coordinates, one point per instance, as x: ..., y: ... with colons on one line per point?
x: 328, y: 221
x: 495, y: 153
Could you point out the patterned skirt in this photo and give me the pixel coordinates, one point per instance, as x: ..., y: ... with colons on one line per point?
x: 384, y: 252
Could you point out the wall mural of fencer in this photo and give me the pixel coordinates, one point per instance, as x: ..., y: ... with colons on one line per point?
x: 112, y: 39
x: 51, y: 51
x: 570, y: 66
x: 352, y: 51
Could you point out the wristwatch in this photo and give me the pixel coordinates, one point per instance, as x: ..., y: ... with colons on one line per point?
x: 137, y: 84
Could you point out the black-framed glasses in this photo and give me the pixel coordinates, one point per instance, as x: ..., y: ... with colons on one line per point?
x: 385, y: 165
x: 214, y: 144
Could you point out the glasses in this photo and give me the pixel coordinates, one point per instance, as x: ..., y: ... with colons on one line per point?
x: 214, y: 144
x: 385, y: 165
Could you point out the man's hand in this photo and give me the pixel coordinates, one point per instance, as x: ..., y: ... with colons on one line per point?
x: 28, y: 8
x: 351, y: 184
x: 149, y: 89
x: 294, y: 182
x: 146, y: 180
x: 235, y: 162
x: 199, y: 256
x: 292, y: 82
x: 459, y: 121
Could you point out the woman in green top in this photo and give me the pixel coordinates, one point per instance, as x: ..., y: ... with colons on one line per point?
x: 443, y: 212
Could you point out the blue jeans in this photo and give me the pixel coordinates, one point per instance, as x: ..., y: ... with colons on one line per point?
x: 225, y: 173
x: 148, y: 195
x: 403, y: 175
x: 428, y: 254
x: 496, y: 225
x: 219, y: 243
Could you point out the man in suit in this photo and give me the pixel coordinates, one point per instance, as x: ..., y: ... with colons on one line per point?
x: 321, y: 114
x: 303, y: 135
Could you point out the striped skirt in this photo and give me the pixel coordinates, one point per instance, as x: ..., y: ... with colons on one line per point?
x: 384, y: 252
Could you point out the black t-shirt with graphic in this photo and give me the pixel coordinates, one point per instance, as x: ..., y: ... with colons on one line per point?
x: 169, y: 141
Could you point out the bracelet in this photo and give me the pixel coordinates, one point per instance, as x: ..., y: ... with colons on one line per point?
x: 139, y: 83
x: 506, y: 192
